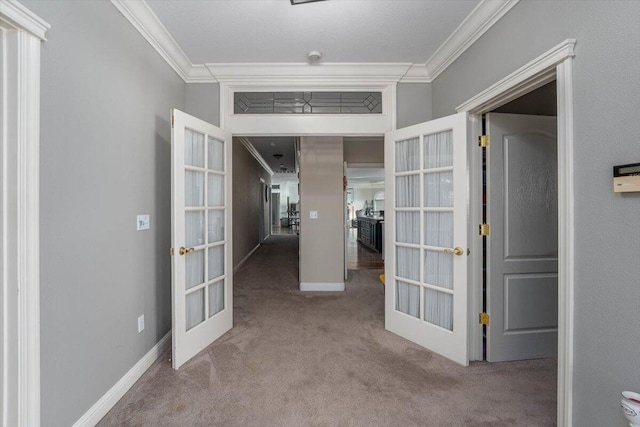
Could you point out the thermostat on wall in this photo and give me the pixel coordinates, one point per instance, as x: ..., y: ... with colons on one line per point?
x: 626, y: 178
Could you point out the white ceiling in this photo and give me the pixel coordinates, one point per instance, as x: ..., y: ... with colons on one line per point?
x: 358, y: 177
x: 270, y: 31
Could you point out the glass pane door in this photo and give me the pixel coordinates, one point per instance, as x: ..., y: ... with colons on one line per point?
x: 425, y: 274
x: 201, y: 226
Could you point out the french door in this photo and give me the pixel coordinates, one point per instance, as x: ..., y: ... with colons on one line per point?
x: 426, y: 239
x: 202, y: 285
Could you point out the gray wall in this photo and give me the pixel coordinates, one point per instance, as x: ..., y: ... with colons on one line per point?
x: 413, y: 103
x: 202, y: 100
x: 606, y: 106
x: 247, y: 191
x: 321, y: 240
x: 105, y: 157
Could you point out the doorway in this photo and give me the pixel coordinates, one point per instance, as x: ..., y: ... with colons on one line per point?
x: 520, y: 247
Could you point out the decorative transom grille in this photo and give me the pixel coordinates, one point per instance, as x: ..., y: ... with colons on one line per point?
x: 308, y: 103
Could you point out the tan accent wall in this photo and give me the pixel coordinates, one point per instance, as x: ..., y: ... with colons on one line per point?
x: 247, y: 191
x: 364, y: 150
x: 321, y: 240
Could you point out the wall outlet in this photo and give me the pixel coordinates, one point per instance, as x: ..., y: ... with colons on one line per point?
x: 313, y: 214
x: 142, y: 222
x: 141, y: 323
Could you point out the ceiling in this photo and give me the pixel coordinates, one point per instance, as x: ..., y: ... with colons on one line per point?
x: 268, y: 146
x: 274, y: 31
x: 365, y: 177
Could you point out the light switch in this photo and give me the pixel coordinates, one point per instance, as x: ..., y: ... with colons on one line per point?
x: 143, y: 222
x: 313, y: 214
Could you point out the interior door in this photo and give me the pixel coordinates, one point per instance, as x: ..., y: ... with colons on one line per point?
x: 426, y: 235
x: 345, y: 221
x: 522, y: 264
x: 200, y: 235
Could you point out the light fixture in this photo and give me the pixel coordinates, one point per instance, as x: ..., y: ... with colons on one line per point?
x: 277, y: 156
x: 295, y: 2
x: 314, y: 56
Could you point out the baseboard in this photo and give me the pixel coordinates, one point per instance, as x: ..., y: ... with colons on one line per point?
x: 322, y: 287
x: 237, y: 267
x: 111, y: 397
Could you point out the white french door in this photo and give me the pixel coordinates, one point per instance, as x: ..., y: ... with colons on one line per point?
x: 426, y: 239
x: 202, y: 288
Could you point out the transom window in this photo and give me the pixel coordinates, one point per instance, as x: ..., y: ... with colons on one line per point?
x: 307, y: 103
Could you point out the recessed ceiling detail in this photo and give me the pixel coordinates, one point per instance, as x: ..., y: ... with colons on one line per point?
x: 308, y: 103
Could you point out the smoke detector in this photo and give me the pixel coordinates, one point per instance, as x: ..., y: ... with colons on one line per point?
x: 314, y: 56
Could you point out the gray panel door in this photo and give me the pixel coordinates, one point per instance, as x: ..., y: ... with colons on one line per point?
x: 522, y: 264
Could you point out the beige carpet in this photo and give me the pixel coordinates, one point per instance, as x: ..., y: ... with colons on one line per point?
x: 324, y: 359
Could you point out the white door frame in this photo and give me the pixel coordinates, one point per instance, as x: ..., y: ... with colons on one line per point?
x: 555, y: 64
x: 22, y: 33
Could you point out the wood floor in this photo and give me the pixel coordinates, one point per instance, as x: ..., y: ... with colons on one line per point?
x: 360, y: 257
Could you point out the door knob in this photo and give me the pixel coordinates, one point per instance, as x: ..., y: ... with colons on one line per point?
x: 184, y: 250
x: 455, y: 251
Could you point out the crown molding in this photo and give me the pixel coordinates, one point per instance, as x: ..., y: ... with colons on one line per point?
x: 303, y: 72
x: 252, y: 150
x: 417, y: 73
x: 147, y: 23
x: 17, y: 16
x: 478, y: 22
x: 481, y: 18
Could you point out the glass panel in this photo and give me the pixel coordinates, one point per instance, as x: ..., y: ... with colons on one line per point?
x: 407, y: 155
x: 193, y: 148
x: 408, y: 298
x: 216, y: 190
x: 307, y: 102
x: 216, y: 262
x: 438, y: 229
x: 408, y: 227
x: 438, y: 150
x: 194, y: 269
x: 438, y: 189
x: 438, y: 269
x: 438, y: 308
x: 194, y: 228
x: 408, y: 263
x: 194, y: 308
x: 216, y: 226
x: 408, y: 191
x: 216, y: 297
x: 193, y: 188
x: 216, y: 154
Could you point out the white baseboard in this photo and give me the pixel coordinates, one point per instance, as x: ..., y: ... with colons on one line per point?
x: 237, y: 267
x: 111, y: 397
x: 322, y: 287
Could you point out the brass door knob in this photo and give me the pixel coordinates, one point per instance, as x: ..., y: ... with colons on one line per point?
x: 455, y: 251
x: 184, y: 250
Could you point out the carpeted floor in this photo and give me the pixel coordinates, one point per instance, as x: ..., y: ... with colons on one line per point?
x: 324, y: 359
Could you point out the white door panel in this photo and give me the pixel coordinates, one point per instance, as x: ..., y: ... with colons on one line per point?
x: 202, y: 288
x: 522, y: 249
x: 426, y: 236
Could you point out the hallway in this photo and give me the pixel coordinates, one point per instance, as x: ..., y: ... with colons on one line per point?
x: 324, y: 359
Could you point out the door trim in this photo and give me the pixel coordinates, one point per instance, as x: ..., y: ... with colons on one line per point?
x: 557, y: 63
x: 22, y: 33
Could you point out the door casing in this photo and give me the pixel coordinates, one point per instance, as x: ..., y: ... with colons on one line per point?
x: 555, y: 64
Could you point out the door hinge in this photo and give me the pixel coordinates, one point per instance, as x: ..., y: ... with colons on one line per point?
x: 171, y: 251
x: 485, y: 230
x: 483, y: 141
x: 173, y: 120
x: 485, y: 319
